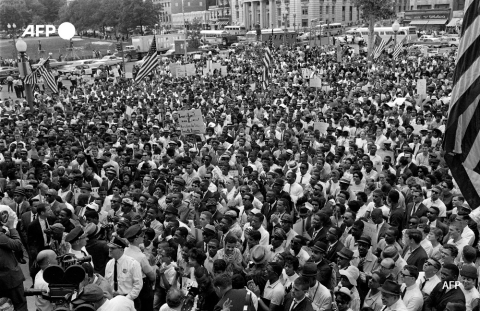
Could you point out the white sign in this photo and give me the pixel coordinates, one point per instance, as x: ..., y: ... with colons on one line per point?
x: 191, y: 121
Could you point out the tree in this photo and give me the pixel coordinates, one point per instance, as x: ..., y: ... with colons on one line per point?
x: 193, y: 32
x: 109, y: 13
x: 137, y: 13
x: 52, y: 8
x: 374, y: 10
x: 81, y: 13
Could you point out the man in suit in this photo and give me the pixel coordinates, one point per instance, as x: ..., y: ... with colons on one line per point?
x: 416, y: 208
x: 381, y: 225
x: 269, y: 208
x: 433, y: 221
x: 397, y: 213
x: 443, y: 293
x: 223, y: 288
x: 414, y: 254
x: 19, y: 205
x: 334, y: 245
x: 297, y: 300
x: 324, y: 271
x: 11, y: 276
x: 411, y: 166
x: 318, y: 230
x: 52, y: 203
x: 111, y: 180
x: 37, y: 239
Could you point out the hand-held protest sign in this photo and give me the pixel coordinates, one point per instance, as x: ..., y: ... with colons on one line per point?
x: 191, y: 121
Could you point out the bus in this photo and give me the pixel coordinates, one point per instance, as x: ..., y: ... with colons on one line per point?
x: 386, y: 33
x: 236, y: 30
x: 279, y: 36
x: 220, y: 37
x: 333, y: 29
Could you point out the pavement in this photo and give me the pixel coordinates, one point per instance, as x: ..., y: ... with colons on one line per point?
x: 27, y: 284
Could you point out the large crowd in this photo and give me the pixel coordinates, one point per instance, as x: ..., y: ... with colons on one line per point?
x: 269, y: 209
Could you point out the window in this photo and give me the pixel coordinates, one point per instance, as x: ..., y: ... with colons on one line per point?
x: 327, y: 10
x: 176, y: 3
x: 333, y: 10
x: 305, y: 22
x: 304, y: 10
x: 424, y: 7
x: 343, y: 13
x: 351, y: 14
x: 321, y: 10
x: 442, y: 6
x: 200, y: 3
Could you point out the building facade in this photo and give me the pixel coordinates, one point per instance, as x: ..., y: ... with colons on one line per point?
x: 220, y: 14
x: 435, y: 15
x: 165, y: 13
x: 295, y: 14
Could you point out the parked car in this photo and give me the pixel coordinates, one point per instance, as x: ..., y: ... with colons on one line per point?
x: 110, y: 60
x: 7, y: 71
x: 451, y: 41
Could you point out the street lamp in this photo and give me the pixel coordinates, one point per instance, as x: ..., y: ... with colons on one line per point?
x: 13, y: 27
x: 21, y: 47
x: 294, y: 22
x: 311, y: 24
x: 395, y: 28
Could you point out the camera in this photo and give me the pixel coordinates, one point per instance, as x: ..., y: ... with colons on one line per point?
x: 63, y: 281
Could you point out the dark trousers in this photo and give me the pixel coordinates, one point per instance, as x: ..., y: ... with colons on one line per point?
x: 17, y: 296
x: 10, y: 86
x: 146, y: 296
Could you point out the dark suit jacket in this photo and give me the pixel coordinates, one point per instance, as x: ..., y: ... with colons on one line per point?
x: 268, y: 210
x: 420, y: 212
x: 36, y: 243
x: 98, y: 249
x: 406, y: 171
x: 24, y: 207
x: 438, y: 298
x: 321, y: 235
x: 414, y: 168
x: 417, y: 258
x: 332, y: 254
x: 11, y: 274
x: 324, y: 273
x: 115, y: 182
x: 305, y: 305
x: 397, y: 219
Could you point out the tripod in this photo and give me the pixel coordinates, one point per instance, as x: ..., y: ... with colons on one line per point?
x: 71, y: 53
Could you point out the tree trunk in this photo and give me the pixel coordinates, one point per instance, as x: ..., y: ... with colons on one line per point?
x: 371, y: 35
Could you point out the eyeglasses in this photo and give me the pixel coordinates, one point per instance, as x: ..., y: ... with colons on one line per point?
x: 412, y: 223
x: 405, y: 275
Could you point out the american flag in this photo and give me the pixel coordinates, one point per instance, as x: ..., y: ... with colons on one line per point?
x: 399, y: 48
x: 267, y: 63
x: 462, y: 140
x: 151, y: 61
x: 381, y: 47
x: 32, y: 78
x: 376, y: 43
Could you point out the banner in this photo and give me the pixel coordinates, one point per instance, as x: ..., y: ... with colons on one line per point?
x: 315, y: 81
x: 191, y: 121
x: 320, y: 126
x: 422, y: 87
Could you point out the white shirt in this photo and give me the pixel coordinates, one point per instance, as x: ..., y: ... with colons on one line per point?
x: 320, y: 297
x: 274, y: 292
x: 429, y: 285
x: 40, y: 303
x: 135, y: 252
x: 460, y: 244
x: 413, y: 298
x: 129, y: 276
x: 265, y: 236
x: 438, y: 203
x: 118, y: 303
x: 468, y: 235
x: 470, y: 296
x: 427, y: 246
x: 302, y: 256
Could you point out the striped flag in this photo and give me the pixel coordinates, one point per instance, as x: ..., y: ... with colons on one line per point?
x: 267, y: 63
x: 399, y: 48
x: 151, y: 61
x: 376, y: 43
x: 462, y: 140
x: 381, y: 47
x: 48, y: 77
x: 32, y: 78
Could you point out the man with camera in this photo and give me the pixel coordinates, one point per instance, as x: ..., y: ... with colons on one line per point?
x: 44, y: 259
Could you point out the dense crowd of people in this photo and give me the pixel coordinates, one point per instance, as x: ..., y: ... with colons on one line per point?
x: 295, y: 197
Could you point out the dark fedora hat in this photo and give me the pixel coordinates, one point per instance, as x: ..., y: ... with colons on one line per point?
x: 391, y: 287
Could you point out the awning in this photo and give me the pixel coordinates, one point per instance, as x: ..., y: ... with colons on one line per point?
x: 455, y: 21
x: 225, y: 23
x: 419, y: 22
x: 437, y: 21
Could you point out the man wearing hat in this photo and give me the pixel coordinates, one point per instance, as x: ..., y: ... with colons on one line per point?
x: 434, y: 200
x: 324, y: 270
x: 318, y: 293
x: 78, y: 239
x: 391, y: 297
x: 111, y: 180
x: 366, y: 263
x: 57, y: 243
x: 135, y: 236
x: 123, y: 272
x: 92, y: 295
x: 19, y: 205
x: 97, y: 248
x: 276, y: 247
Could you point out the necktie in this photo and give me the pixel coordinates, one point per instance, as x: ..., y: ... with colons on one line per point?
x: 294, y: 304
x: 290, y: 189
x: 47, y: 226
x: 423, y: 283
x: 361, y: 263
x: 34, y: 216
x: 301, y: 179
x: 18, y: 210
x: 115, y: 277
x: 414, y: 209
x: 403, y: 293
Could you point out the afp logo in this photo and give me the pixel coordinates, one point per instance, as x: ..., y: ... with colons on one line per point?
x: 451, y: 285
x: 66, y: 30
